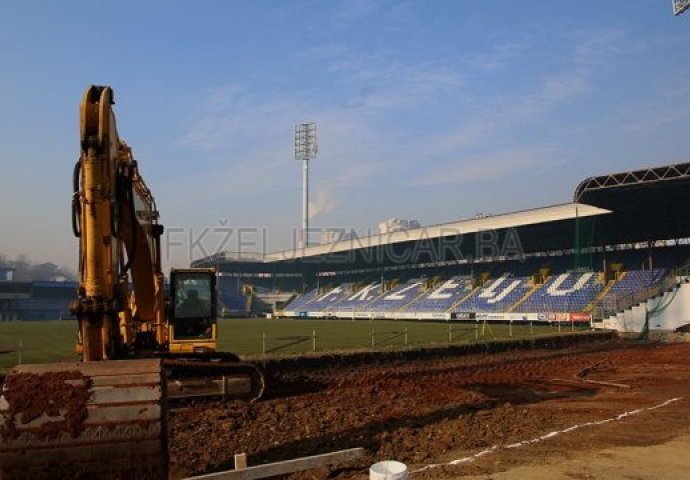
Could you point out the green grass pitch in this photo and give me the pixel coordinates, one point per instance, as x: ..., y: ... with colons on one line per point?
x: 50, y: 341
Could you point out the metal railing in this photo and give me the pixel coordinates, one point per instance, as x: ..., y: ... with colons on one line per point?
x: 611, y: 304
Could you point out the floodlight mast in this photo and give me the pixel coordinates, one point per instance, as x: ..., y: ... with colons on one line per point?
x: 305, y: 149
x: 680, y: 6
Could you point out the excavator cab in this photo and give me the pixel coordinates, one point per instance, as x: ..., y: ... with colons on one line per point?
x: 192, y: 310
x: 193, y: 366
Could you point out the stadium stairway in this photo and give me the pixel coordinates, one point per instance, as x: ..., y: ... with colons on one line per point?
x: 330, y: 297
x: 498, y: 294
x: 604, y: 291
x: 441, y: 295
x: 565, y: 292
x: 464, y: 299
x: 414, y: 300
x: 529, y: 293
x: 636, y: 287
x: 395, y: 293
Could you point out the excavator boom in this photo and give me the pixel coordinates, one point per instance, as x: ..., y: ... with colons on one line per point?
x: 105, y: 417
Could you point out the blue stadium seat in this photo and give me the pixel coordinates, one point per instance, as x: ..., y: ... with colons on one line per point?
x: 631, y: 285
x: 497, y: 295
x: 329, y: 298
x: 565, y: 292
x: 358, y: 301
x: 398, y: 297
x: 301, y: 301
x: 442, y: 297
x: 230, y: 295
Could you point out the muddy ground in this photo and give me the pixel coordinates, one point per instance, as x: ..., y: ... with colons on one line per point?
x: 438, y: 407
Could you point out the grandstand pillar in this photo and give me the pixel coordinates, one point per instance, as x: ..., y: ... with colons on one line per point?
x: 649, y: 256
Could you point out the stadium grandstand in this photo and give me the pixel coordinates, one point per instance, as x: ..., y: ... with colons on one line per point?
x: 38, y: 300
x: 622, y: 243
x: 248, y: 286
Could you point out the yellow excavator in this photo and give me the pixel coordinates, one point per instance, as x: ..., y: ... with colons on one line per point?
x: 142, y: 344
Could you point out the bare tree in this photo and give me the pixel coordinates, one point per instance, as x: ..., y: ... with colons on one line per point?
x: 26, y: 271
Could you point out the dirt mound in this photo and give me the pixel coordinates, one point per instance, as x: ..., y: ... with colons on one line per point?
x: 203, y: 435
x: 30, y: 396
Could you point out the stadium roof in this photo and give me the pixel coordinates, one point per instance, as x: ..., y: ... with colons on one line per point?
x: 648, y: 204
x: 620, y: 208
x: 538, y: 216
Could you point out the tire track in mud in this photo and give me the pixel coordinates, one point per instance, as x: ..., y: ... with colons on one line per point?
x: 414, y: 410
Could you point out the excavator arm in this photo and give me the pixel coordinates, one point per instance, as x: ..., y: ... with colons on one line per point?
x: 116, y: 220
x: 100, y: 418
x: 105, y: 417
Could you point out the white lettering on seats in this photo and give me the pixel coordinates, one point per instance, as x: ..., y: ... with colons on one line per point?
x: 400, y: 295
x: 493, y: 293
x: 490, y: 291
x: 335, y: 291
x: 444, y: 291
x: 512, y: 286
x: 363, y: 294
x: 556, y: 291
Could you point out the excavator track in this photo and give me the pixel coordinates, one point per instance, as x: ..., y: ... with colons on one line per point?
x: 107, y: 420
x: 188, y: 378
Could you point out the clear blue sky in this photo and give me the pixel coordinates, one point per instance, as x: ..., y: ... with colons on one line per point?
x: 434, y: 110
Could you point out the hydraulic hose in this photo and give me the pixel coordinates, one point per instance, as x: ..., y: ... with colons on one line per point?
x: 115, y: 207
x: 76, y: 204
x: 129, y: 193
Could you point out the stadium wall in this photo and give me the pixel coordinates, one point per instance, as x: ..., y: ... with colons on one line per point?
x: 667, y: 312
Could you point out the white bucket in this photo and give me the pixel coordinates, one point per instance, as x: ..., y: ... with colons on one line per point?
x: 388, y: 470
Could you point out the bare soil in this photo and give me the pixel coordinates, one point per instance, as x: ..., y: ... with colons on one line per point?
x: 30, y: 396
x: 435, y: 408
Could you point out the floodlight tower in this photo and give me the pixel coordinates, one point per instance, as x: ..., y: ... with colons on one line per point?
x: 305, y: 150
x: 680, y: 6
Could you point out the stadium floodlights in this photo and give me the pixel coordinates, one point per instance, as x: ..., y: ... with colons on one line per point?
x: 305, y: 141
x: 679, y: 6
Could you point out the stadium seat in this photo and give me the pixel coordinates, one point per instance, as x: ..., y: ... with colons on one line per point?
x: 230, y: 295
x: 358, y: 300
x: 302, y: 300
x: 329, y: 299
x: 565, y: 292
x: 443, y: 296
x: 512, y: 288
x: 631, y: 287
x: 398, y: 297
x: 497, y: 295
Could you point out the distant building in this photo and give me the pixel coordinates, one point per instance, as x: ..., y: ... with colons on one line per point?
x: 333, y: 235
x: 39, y: 300
x: 6, y: 274
x: 397, y: 225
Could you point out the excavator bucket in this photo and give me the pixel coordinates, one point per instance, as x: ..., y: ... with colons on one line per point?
x: 77, y: 420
